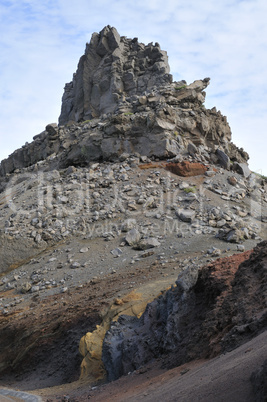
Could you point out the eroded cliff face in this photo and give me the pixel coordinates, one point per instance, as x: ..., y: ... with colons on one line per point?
x: 122, y: 100
x: 210, y: 311
x: 111, y: 68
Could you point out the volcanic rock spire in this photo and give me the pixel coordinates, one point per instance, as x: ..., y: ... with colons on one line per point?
x: 112, y: 67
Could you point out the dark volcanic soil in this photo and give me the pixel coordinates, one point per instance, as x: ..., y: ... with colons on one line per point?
x: 40, y: 340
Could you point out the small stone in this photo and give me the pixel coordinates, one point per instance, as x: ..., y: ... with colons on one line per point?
x: 210, y: 173
x: 142, y: 100
x: 186, y: 215
x: 124, y: 156
x: 84, y: 250
x: 38, y: 238
x: 147, y: 243
x: 64, y: 199
x: 132, y: 206
x: 192, y: 149
x: 215, y: 252
x: 232, y: 180
x: 26, y: 287
x: 75, y: 265
x: 128, y: 224
x: 118, y: 302
x: 147, y: 254
x: 133, y: 237
x: 116, y: 252
x: 34, y: 221
x: 240, y: 248
x: 221, y: 223
x: 183, y: 185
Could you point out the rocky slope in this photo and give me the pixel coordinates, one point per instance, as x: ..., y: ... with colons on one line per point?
x: 98, y: 215
x: 210, y: 311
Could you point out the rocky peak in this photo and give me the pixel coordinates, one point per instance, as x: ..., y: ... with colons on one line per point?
x: 112, y: 67
x: 122, y: 100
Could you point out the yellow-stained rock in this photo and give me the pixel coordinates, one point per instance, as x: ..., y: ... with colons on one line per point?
x: 92, y: 368
x: 133, y: 304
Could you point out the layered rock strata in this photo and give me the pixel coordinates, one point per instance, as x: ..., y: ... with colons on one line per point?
x: 122, y: 100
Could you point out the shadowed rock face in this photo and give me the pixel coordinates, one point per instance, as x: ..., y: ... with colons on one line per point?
x: 112, y: 67
x: 210, y: 311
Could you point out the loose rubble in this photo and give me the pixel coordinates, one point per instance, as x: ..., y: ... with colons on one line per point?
x: 138, y: 182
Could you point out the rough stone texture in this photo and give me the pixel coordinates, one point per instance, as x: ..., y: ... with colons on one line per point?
x: 242, y: 168
x: 111, y: 68
x: 43, y: 145
x: 186, y: 215
x: 211, y: 310
x: 145, y: 244
x: 186, y: 168
x: 133, y: 237
x: 122, y: 101
x: 224, y: 159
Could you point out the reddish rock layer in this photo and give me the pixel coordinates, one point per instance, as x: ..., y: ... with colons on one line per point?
x: 186, y: 168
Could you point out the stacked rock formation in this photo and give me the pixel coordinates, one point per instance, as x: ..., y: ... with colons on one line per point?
x: 112, y: 67
x: 122, y: 100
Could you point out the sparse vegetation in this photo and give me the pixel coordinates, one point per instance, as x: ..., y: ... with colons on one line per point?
x: 181, y: 87
x: 190, y: 190
x: 261, y: 176
x: 85, y: 153
x: 85, y: 122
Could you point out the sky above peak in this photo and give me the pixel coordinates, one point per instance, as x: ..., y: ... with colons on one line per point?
x: 226, y: 40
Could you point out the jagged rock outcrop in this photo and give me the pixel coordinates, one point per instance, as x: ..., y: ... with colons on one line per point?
x: 211, y: 310
x: 122, y: 100
x: 111, y: 68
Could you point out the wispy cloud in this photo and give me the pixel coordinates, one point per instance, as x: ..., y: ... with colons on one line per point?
x: 41, y: 42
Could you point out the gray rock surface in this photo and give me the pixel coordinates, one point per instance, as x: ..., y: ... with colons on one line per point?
x: 186, y: 215
x: 133, y: 237
x: 181, y: 323
x: 242, y: 168
x: 111, y: 68
x: 122, y: 101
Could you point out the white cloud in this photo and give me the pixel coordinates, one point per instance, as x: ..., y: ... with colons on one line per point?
x: 41, y: 42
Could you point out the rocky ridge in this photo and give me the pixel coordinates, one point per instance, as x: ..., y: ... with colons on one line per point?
x: 138, y: 182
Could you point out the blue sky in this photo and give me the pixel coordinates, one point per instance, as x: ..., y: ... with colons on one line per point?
x: 41, y: 43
